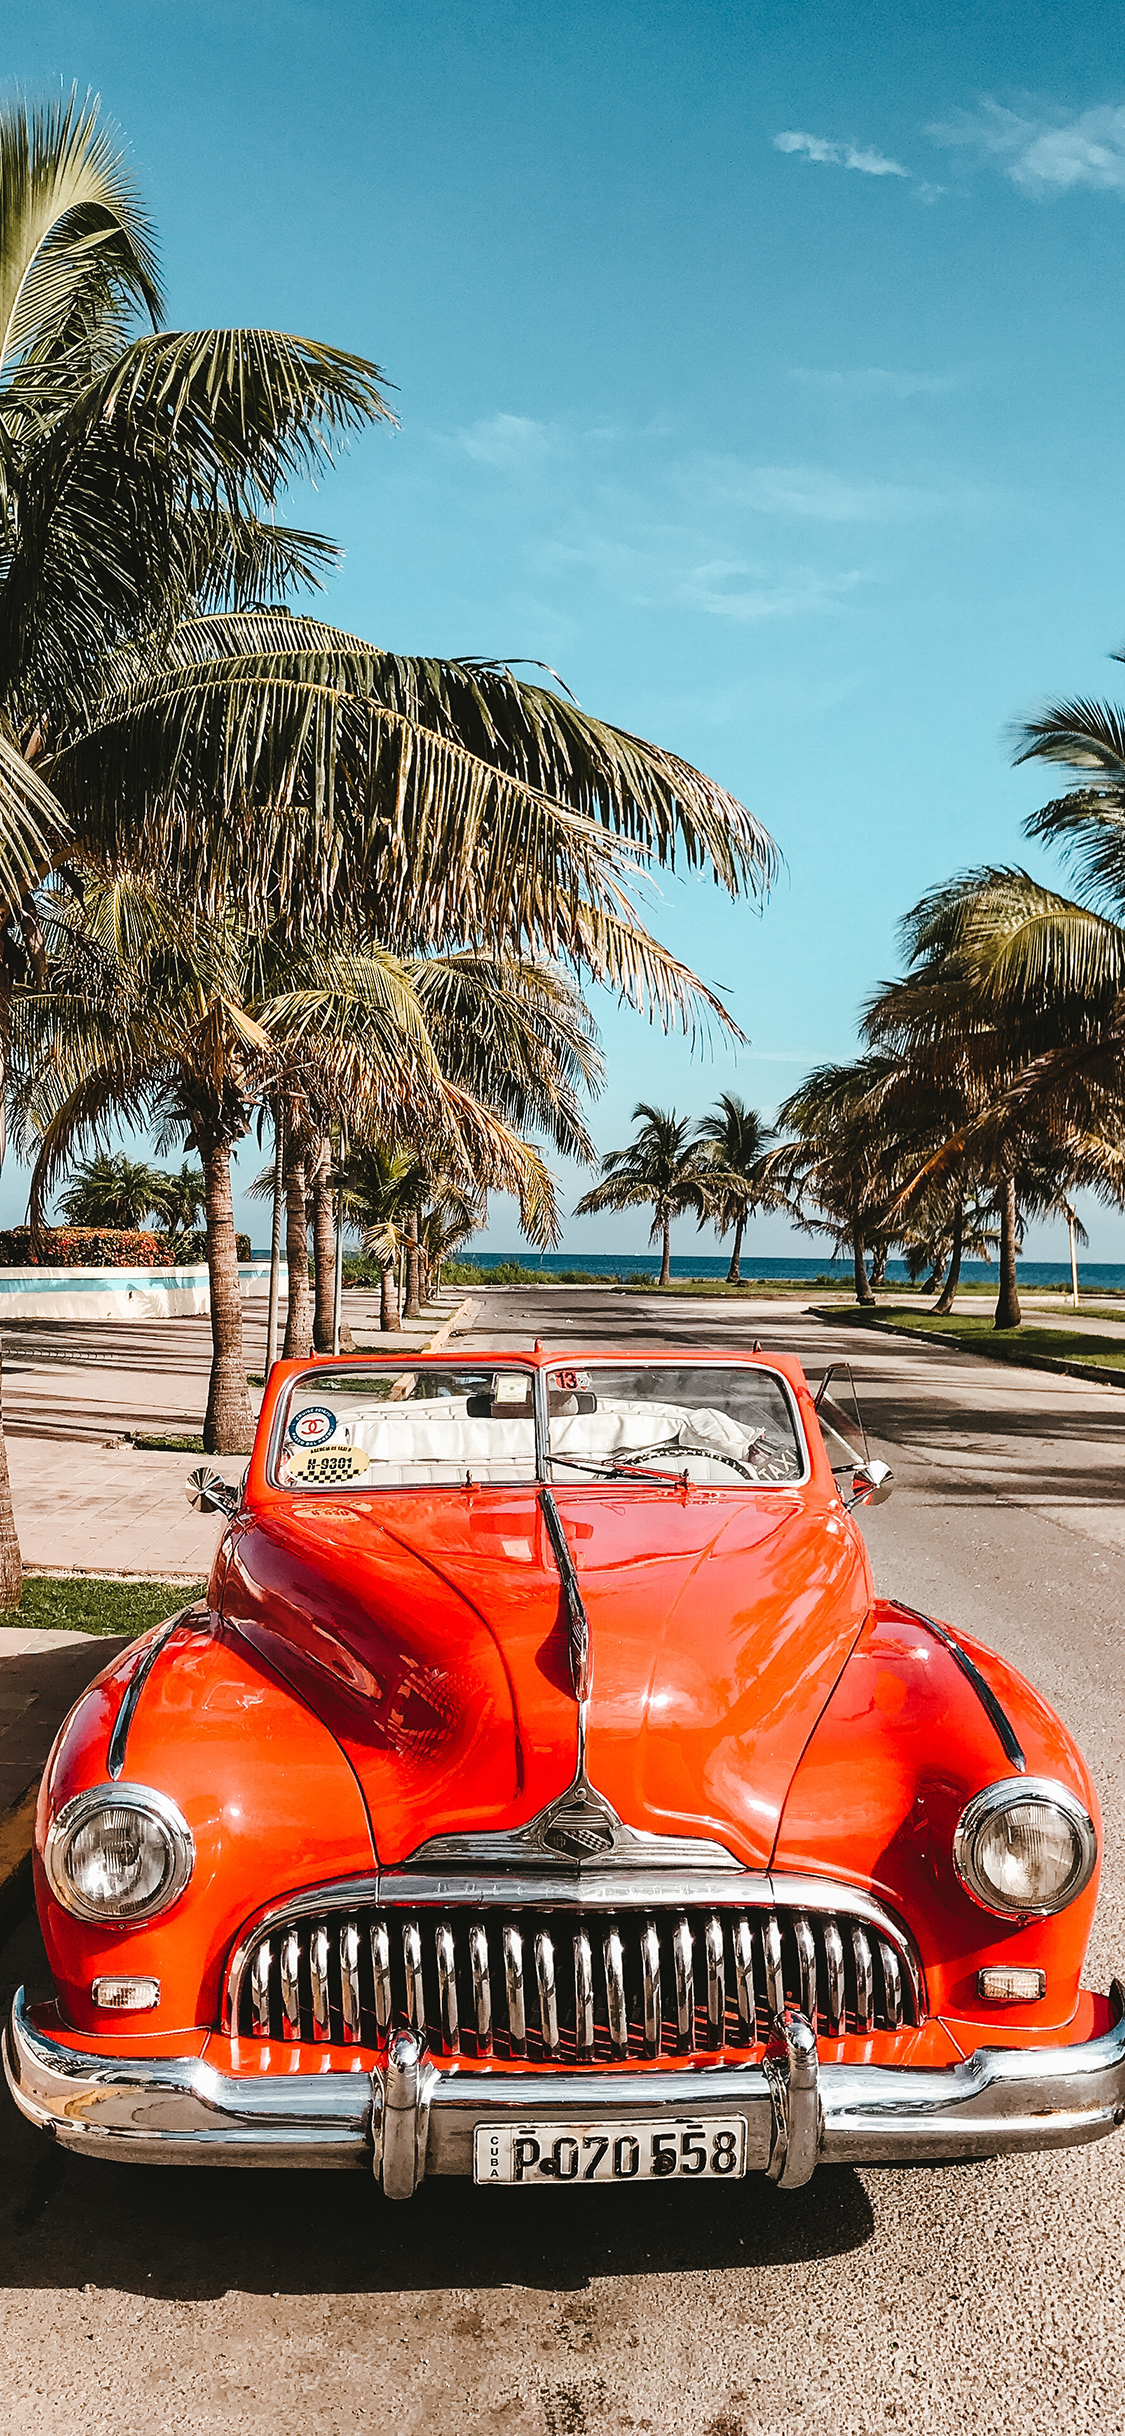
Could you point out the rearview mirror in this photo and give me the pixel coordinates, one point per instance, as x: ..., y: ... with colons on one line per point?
x: 208, y: 1493
x: 871, y: 1484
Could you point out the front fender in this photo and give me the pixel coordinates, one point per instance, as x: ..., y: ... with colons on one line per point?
x: 902, y: 1745
x: 269, y: 1796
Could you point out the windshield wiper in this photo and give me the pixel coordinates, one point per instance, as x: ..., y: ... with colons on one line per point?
x: 617, y: 1471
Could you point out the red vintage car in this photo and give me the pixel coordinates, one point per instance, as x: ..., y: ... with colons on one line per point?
x: 542, y: 1794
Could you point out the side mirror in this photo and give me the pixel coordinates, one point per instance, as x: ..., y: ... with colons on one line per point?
x: 871, y: 1484
x: 207, y: 1491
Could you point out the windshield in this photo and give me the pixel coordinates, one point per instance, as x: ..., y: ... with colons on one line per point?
x: 720, y: 1425
x: 376, y: 1428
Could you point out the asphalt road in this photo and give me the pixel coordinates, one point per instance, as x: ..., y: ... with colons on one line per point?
x: 982, y: 2300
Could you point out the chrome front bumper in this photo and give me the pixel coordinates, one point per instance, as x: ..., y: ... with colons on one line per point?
x: 411, y: 2118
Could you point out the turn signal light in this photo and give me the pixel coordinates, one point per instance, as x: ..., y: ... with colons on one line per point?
x: 126, y: 1995
x: 1004, y: 1987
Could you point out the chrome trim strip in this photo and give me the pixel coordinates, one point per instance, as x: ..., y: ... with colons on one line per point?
x: 318, y: 1981
x: 115, y: 1754
x: 892, y: 1984
x: 180, y: 2109
x: 482, y: 1989
x: 775, y: 1974
x: 1006, y: 1733
x: 381, y: 1972
x: 412, y: 1965
x: 650, y: 1982
x: 513, y: 1974
x: 578, y: 1622
x: 744, y: 1980
x: 716, y: 1980
x: 349, y: 1980
x: 835, y: 1999
x: 614, y: 1956
x: 864, y: 1981
x: 685, y: 1986
x: 548, y: 2003
x: 446, y: 1955
x: 806, y: 1963
x: 260, y: 1989
x: 583, y: 1996
x: 289, y: 1962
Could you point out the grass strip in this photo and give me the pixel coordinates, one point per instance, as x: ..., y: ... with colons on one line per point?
x: 1028, y: 1347
x: 95, y: 1603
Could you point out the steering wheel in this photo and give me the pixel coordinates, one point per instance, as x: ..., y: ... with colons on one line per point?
x: 675, y: 1446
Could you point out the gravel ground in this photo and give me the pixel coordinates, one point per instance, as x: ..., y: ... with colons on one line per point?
x: 982, y: 2300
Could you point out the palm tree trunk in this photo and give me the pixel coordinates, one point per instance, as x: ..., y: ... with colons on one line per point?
x: 734, y: 1273
x: 413, y: 1305
x: 324, y: 1251
x: 228, y: 1427
x: 388, y: 1299
x: 666, y: 1254
x: 879, y: 1265
x: 863, y: 1293
x: 11, y: 1562
x: 1008, y: 1313
x: 298, y: 1329
x: 944, y: 1302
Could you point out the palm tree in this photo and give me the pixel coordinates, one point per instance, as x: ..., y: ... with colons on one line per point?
x: 109, y: 1190
x: 381, y: 1188
x: 179, y: 1201
x: 734, y: 1140
x: 181, y: 1029
x: 832, y: 1170
x: 1020, y: 1044
x: 662, y: 1169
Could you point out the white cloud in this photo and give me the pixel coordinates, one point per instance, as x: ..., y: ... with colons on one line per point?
x: 506, y: 440
x: 870, y: 381
x: 663, y: 568
x: 836, y: 155
x: 806, y: 491
x: 1049, y: 154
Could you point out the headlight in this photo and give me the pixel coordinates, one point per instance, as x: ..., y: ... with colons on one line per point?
x: 118, y: 1853
x: 1026, y: 1846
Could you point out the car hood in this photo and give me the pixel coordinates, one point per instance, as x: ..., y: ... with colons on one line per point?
x: 430, y: 1633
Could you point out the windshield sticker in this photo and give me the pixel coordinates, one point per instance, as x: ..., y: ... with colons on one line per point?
x: 570, y: 1382
x: 312, y: 1425
x: 324, y: 1467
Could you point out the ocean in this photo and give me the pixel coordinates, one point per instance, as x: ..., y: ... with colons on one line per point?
x: 1094, y: 1276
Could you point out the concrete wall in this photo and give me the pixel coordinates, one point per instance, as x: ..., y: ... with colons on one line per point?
x: 101, y: 1294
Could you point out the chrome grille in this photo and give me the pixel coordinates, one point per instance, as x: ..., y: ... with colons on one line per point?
x: 572, y: 1987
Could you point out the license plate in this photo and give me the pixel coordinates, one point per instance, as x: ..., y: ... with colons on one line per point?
x: 681, y: 2147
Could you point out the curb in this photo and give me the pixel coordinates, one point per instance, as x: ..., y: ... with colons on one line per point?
x: 1011, y: 1356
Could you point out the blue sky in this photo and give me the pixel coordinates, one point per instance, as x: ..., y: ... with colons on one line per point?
x: 758, y: 366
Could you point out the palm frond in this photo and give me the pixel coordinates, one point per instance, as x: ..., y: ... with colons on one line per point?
x: 539, y: 739
x: 70, y: 221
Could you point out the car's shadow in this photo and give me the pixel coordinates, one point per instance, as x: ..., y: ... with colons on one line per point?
x: 194, y: 2233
